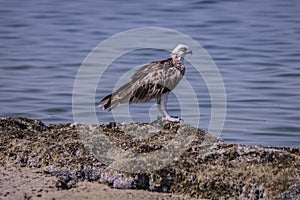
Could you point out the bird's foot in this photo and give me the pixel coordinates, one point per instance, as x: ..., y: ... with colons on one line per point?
x: 174, y: 119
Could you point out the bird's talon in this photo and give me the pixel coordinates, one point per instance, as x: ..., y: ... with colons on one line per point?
x: 174, y: 119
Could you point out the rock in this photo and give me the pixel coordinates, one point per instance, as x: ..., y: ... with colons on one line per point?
x: 158, y: 156
x: 123, y: 182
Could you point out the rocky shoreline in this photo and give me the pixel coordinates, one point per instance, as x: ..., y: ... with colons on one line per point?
x: 200, y: 166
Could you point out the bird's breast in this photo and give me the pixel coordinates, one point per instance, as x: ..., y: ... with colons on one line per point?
x: 181, y: 69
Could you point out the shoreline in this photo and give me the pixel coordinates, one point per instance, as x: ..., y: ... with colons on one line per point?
x: 32, y: 183
x: 53, y: 160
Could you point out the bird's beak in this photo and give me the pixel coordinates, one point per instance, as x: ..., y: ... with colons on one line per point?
x: 189, y: 52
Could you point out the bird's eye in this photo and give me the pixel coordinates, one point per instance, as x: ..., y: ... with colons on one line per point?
x: 183, y: 48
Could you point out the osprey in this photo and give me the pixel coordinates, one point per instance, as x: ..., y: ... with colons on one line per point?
x: 154, y: 80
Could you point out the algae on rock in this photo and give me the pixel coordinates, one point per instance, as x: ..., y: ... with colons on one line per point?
x: 190, y: 160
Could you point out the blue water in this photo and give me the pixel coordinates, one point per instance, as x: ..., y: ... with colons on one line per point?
x: 255, y: 44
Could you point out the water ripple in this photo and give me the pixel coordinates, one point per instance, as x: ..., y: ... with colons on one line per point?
x: 255, y: 47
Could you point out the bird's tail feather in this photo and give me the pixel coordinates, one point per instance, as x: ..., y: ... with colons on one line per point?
x: 106, y: 102
x: 121, y: 96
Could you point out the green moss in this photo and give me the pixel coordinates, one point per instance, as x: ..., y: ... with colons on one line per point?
x: 207, y: 168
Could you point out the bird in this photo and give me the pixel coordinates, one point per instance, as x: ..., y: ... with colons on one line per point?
x: 154, y: 80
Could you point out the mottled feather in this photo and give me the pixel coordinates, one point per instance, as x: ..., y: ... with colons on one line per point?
x: 148, y: 82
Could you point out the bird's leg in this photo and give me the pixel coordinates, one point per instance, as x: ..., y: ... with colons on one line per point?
x: 162, y: 107
x: 161, y: 104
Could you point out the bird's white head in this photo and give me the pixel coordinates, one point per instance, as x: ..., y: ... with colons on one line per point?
x: 181, y: 50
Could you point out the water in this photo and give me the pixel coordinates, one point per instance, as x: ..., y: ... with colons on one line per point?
x: 255, y: 44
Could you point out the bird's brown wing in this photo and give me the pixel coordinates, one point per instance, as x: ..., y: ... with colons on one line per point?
x: 148, y: 82
x: 153, y: 80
